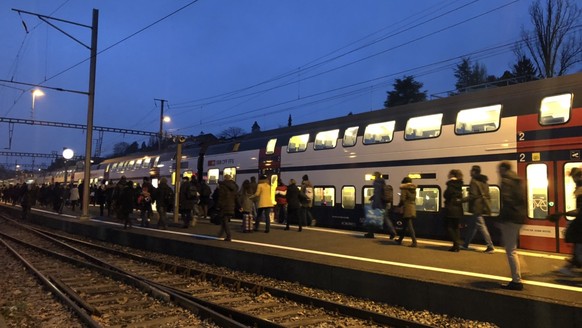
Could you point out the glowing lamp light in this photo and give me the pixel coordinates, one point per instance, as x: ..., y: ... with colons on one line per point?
x: 68, y: 153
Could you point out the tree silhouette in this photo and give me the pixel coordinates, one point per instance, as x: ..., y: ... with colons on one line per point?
x: 406, y: 91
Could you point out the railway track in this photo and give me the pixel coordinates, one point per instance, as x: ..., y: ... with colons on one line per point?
x: 244, y: 302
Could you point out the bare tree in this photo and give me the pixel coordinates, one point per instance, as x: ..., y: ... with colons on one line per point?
x: 232, y: 132
x: 554, y: 44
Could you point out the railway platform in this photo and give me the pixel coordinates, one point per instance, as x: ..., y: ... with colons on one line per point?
x: 428, y: 277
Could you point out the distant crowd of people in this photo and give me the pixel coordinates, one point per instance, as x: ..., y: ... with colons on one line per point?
x: 253, y: 203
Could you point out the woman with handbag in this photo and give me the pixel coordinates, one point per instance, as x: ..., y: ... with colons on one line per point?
x: 408, y: 203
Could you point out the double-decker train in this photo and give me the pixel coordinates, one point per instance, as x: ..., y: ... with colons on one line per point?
x: 536, y: 125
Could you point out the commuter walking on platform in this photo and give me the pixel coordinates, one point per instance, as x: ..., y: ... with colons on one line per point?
x: 145, y: 200
x: 479, y: 205
x: 574, y: 230
x: 74, y: 196
x: 27, y: 199
x: 205, y: 194
x: 294, y: 197
x: 164, y: 202
x: 454, y: 207
x: 187, y: 201
x: 408, y: 203
x: 101, y: 196
x: 380, y: 201
x: 124, y: 201
x: 245, y: 202
x: 281, y: 200
x: 227, y: 199
x: 264, y: 203
x: 307, y: 189
x: 512, y: 216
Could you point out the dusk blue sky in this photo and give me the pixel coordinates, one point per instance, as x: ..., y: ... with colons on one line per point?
x: 223, y: 63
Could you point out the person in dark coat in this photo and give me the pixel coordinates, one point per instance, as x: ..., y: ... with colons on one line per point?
x: 408, y: 203
x: 479, y: 200
x: 227, y: 202
x: 187, y: 201
x: 512, y: 216
x: 574, y: 230
x: 27, y: 199
x: 164, y: 201
x: 454, y: 207
x: 101, y: 197
x: 145, y: 201
x: 124, y: 199
x: 294, y: 198
x: 379, y: 201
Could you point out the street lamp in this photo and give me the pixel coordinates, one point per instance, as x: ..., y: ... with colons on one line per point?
x: 35, y: 93
x: 67, y: 155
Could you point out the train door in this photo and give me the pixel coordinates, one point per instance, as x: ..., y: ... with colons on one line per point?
x: 549, y: 190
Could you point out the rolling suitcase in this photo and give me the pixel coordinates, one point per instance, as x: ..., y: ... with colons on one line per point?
x: 247, y: 222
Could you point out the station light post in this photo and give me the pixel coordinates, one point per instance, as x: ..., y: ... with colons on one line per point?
x: 67, y: 155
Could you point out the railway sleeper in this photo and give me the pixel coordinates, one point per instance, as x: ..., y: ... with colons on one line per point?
x: 232, y: 300
x: 159, y: 322
x: 250, y: 307
x: 304, y: 322
x: 282, y: 314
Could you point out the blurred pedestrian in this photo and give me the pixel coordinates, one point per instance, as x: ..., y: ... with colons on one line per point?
x: 454, y: 207
x: 164, y: 201
x: 187, y: 201
x: 408, y: 203
x: 227, y: 200
x: 294, y: 197
x: 264, y: 203
x: 479, y: 205
x: 205, y: 194
x: 307, y: 189
x: 512, y: 216
x: 145, y: 201
x: 245, y: 202
x: 380, y: 201
x: 281, y: 200
x: 74, y: 196
x: 101, y: 196
x: 574, y: 230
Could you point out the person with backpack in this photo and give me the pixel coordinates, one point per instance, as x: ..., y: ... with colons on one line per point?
x: 408, y: 203
x: 294, y: 197
x: 512, y: 216
x: 205, y: 193
x: 164, y: 202
x: 227, y: 202
x: 307, y: 189
x: 145, y: 201
x: 381, y: 200
x: 454, y: 207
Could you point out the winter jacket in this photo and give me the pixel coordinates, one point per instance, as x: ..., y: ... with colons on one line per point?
x: 294, y: 197
x: 307, y: 189
x: 408, y: 199
x: 574, y: 230
x: 377, y: 198
x: 513, y: 207
x: 245, y: 201
x: 186, y: 201
x: 263, y: 194
x: 479, y: 197
x: 227, y: 194
x: 454, y: 199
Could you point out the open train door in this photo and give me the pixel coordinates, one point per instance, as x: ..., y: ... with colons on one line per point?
x: 548, y: 191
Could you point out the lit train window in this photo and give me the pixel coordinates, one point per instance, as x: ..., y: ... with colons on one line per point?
x: 230, y: 171
x: 556, y: 109
x: 495, y: 200
x: 427, y: 199
x: 271, y: 147
x: 570, y: 186
x: 130, y: 165
x: 423, y: 127
x: 350, y: 137
x: 349, y: 197
x: 323, y: 196
x: 537, y: 191
x: 379, y: 133
x: 326, y: 139
x: 368, y: 192
x: 137, y: 164
x: 113, y: 167
x: 156, y: 162
x: 477, y: 120
x: 298, y: 143
x: 146, y: 162
x: 213, y: 176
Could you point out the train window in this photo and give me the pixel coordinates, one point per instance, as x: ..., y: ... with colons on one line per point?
x: 349, y: 197
x: 556, y: 109
x: 323, y: 196
x: 477, y: 120
x: 423, y: 127
x: 350, y: 137
x: 271, y: 147
x: 427, y: 199
x: 230, y: 171
x: 368, y: 192
x: 213, y: 176
x: 570, y: 186
x: 537, y: 191
x: 326, y: 139
x: 494, y: 200
x: 379, y: 133
x: 298, y: 143
x: 156, y: 161
x: 113, y: 167
x: 146, y: 162
x: 137, y: 164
